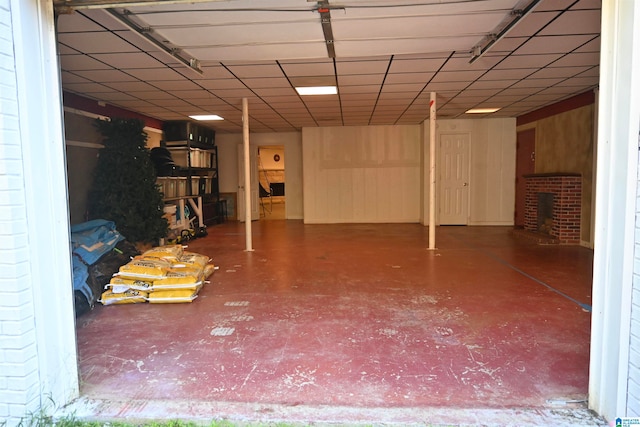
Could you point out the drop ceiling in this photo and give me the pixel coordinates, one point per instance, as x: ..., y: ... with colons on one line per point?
x: 386, y: 57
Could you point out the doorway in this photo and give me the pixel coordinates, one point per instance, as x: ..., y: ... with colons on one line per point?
x: 271, y: 179
x: 454, y: 178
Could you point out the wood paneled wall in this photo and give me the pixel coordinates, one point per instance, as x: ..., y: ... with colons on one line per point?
x: 565, y: 143
x: 361, y: 174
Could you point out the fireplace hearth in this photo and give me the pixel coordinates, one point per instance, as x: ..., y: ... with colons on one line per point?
x: 553, y: 206
x: 545, y: 212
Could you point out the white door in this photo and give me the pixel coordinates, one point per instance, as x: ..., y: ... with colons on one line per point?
x: 253, y: 160
x: 454, y: 178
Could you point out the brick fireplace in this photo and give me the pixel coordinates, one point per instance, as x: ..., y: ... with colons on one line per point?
x: 552, y: 205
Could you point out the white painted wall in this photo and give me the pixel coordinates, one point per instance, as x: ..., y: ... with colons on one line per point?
x: 616, y: 219
x: 492, y: 167
x: 633, y: 387
x: 228, y: 164
x: 342, y: 165
x: 38, y: 359
x: 362, y: 174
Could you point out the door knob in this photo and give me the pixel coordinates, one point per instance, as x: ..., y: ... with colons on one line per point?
x: 465, y: 184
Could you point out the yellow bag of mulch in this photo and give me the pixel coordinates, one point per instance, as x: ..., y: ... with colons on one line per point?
x: 129, y: 297
x: 208, y: 270
x: 170, y: 283
x: 144, y: 268
x: 172, y: 296
x: 184, y: 272
x: 171, y: 253
x: 121, y: 284
x: 192, y: 259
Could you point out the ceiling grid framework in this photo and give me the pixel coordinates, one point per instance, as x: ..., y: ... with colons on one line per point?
x: 389, y: 56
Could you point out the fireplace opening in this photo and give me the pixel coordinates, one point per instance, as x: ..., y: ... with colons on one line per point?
x: 545, y: 212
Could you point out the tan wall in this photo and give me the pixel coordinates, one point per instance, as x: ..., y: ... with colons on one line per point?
x: 564, y: 143
x: 267, y: 158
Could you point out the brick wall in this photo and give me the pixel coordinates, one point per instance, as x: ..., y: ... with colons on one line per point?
x: 633, y: 386
x: 567, y: 192
x: 19, y: 381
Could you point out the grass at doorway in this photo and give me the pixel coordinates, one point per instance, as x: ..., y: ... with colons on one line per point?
x: 48, y: 421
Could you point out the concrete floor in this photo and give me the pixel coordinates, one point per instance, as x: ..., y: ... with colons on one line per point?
x: 352, y: 325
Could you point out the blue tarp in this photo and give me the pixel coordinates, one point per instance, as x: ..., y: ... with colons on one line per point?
x: 80, y: 276
x: 89, y: 241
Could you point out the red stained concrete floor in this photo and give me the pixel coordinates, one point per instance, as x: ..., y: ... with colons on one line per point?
x: 354, y: 324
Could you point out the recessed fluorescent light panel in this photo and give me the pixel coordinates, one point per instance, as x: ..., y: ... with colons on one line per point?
x: 317, y: 90
x: 481, y: 110
x: 206, y: 117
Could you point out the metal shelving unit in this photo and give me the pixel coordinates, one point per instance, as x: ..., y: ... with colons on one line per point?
x: 194, y: 151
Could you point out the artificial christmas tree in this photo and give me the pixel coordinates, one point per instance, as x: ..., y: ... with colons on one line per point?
x: 124, y: 188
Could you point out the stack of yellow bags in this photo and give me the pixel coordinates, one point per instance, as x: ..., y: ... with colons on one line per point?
x: 165, y: 274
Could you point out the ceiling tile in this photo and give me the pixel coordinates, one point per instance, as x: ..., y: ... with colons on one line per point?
x: 457, y: 76
x: 508, y: 44
x: 591, y: 46
x: 528, y: 61
x: 492, y: 84
x: 513, y: 74
x: 233, y: 93
x: 103, y: 18
x: 581, y: 81
x: 349, y: 90
x: 175, y: 85
x: 267, y: 83
x: 579, y: 21
x: 578, y: 59
x: 413, y: 88
x: 87, y: 88
x: 536, y: 83
x: 408, y: 78
x: 155, y: 74
x: 81, y: 62
x: 154, y: 95
x: 129, y: 60
x: 557, y: 72
x: 553, y: 44
x: 103, y: 42
x: 69, y: 78
x: 76, y: 23
x: 255, y: 70
x: 449, y: 86
x: 370, y: 79
x: 198, y: 95
x: 532, y: 23
x: 324, y: 67
x: 276, y: 91
x: 215, y: 84
x: 131, y: 86
x: 361, y: 66
x: 484, y: 63
x: 429, y: 65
